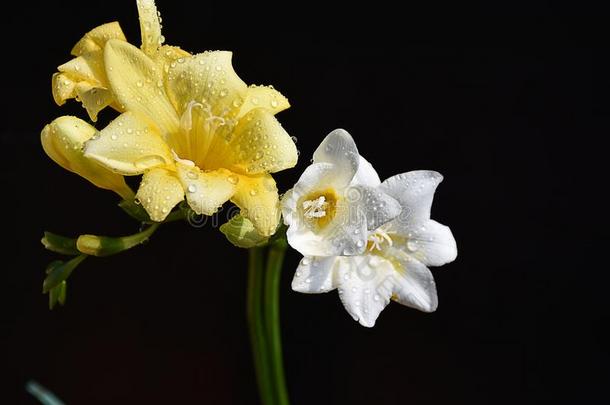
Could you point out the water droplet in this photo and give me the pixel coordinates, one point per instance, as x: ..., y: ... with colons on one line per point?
x: 376, y: 297
x: 139, y: 83
x: 253, y: 192
x: 305, y: 261
x: 255, y: 100
x: 192, y: 174
x: 354, y: 289
x: 356, y: 231
x: 298, y: 274
x: 233, y: 179
x: 129, y: 130
x: 149, y: 161
x: 192, y: 188
x: 308, y: 280
x: 274, y: 103
x: 412, y: 245
x: 258, y: 155
x: 113, y: 137
x: 360, y: 243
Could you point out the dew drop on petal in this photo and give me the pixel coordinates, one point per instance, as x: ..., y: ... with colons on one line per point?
x: 233, y: 179
x: 412, y: 245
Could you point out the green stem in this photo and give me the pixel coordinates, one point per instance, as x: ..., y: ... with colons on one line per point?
x: 94, y: 245
x: 277, y: 249
x: 256, y: 324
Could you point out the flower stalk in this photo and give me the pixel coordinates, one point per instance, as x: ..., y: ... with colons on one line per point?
x: 263, y: 313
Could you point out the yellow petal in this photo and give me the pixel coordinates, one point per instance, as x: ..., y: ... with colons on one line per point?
x: 168, y: 54
x: 263, y: 97
x: 63, y: 141
x: 259, y: 202
x: 63, y: 88
x: 84, y: 78
x: 206, y: 78
x: 137, y: 83
x: 95, y: 39
x: 89, y: 67
x: 129, y: 145
x: 159, y: 192
x: 150, y: 26
x: 94, y: 99
x: 259, y: 145
x: 206, y: 191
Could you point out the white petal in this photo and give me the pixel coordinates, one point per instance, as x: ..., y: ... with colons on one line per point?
x: 366, y: 175
x: 432, y: 244
x: 319, y: 176
x: 314, y: 275
x: 378, y: 207
x: 365, y: 285
x: 339, y: 149
x: 414, y: 191
x: 413, y: 283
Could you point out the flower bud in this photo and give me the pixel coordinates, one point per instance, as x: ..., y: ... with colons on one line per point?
x: 63, y: 141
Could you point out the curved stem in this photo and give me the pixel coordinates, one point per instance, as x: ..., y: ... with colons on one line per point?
x: 273, y: 275
x: 254, y: 313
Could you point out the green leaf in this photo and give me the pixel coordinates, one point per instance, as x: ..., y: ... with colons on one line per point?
x: 58, y: 294
x: 135, y: 210
x: 59, y: 244
x: 241, y: 233
x: 59, y: 271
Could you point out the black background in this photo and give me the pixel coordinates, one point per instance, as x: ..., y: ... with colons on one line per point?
x: 511, y: 110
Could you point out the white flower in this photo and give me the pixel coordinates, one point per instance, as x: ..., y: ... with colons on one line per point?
x: 394, y: 264
x: 336, y: 201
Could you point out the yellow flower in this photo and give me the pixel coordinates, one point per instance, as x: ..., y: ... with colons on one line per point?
x: 63, y: 141
x: 84, y: 77
x: 188, y: 123
x: 196, y: 129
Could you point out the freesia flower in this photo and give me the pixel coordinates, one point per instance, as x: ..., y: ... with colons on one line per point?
x: 330, y: 210
x: 63, y: 141
x: 198, y: 130
x: 84, y: 77
x: 189, y: 124
x: 393, y: 266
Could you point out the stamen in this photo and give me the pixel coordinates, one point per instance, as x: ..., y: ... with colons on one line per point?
x: 377, y: 238
x: 315, y: 208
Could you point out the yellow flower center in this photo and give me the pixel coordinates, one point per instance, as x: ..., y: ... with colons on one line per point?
x: 319, y: 208
x: 199, y: 134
